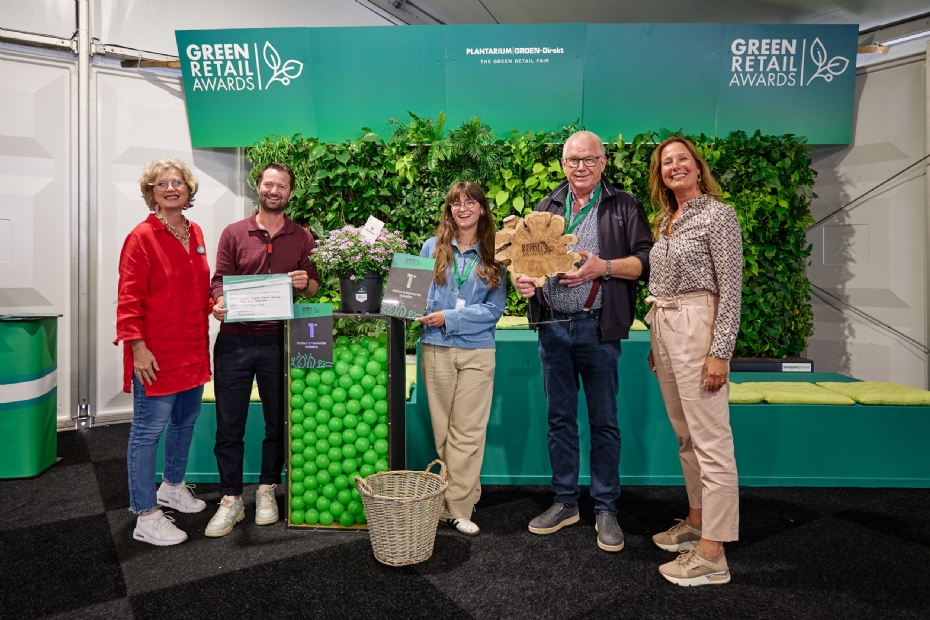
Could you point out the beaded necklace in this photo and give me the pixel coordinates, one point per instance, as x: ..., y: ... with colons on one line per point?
x: 174, y: 231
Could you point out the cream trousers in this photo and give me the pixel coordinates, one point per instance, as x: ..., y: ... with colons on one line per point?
x: 459, y: 384
x: 681, y: 331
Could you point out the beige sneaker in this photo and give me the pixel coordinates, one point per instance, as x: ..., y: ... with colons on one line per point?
x: 266, y: 507
x: 681, y: 535
x: 230, y: 513
x: 691, y: 568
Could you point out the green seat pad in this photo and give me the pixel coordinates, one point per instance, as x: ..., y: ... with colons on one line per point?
x: 742, y: 395
x: 521, y: 322
x: 790, y: 393
x: 209, y: 396
x: 879, y: 392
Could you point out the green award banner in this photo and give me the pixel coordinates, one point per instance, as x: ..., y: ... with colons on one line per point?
x: 310, y: 337
x: 405, y: 294
x: 330, y: 83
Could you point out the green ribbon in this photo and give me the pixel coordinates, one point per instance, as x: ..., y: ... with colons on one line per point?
x: 460, y: 280
x: 568, y: 209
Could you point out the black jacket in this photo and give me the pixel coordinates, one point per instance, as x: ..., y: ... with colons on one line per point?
x: 623, y: 230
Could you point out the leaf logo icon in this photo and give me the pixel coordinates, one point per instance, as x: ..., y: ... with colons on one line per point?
x: 290, y: 70
x: 826, y: 69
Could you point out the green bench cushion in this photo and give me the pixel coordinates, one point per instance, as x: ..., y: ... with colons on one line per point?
x: 879, y: 392
x: 798, y: 394
x: 742, y: 395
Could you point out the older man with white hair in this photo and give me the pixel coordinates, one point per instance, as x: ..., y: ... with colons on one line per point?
x: 581, y: 319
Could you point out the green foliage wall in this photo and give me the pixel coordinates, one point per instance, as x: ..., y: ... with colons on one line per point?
x: 403, y: 180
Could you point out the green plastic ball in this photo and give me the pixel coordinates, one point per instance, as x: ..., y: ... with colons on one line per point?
x: 354, y: 507
x: 349, y: 465
x: 349, y: 451
x: 322, y: 461
x: 356, y: 495
x: 382, y: 338
x: 339, y: 410
x: 322, y: 431
x: 366, y: 470
x: 342, y: 341
x: 361, y: 518
x: 322, y: 416
x: 368, y: 383
x: 310, y: 394
x: 349, y: 435
x: 360, y: 361
x: 355, y: 346
x: 327, y: 377
x: 335, y: 439
x: 310, y: 437
x: 362, y: 429
x: 372, y: 368
x: 370, y: 417
x: 297, y: 401
x: 325, y: 402
x: 382, y: 419
x: 297, y: 431
x: 298, y: 373
x: 338, y: 395
x: 353, y: 406
x: 367, y: 401
x: 335, y: 424
x: 356, y: 391
x: 346, y: 356
x: 356, y: 372
x: 380, y: 355
x: 380, y: 431
x: 312, y: 378
x: 336, y: 509
x: 362, y: 444
x: 310, y: 496
x: 322, y: 503
x: 323, y: 477
x: 321, y: 446
x: 310, y: 482
x: 370, y: 456
x: 297, y: 475
x: 350, y: 420
x: 381, y: 465
x: 345, y: 382
x: 381, y: 447
x: 382, y: 378
x: 323, y: 390
x: 312, y: 516
x: 310, y: 468
x: 326, y: 518
x: 309, y: 424
x: 341, y: 482
x: 297, y: 415
x: 341, y: 368
x: 310, y: 453
x: 334, y: 453
x: 297, y: 460
x: 297, y: 503
x: 346, y: 519
x: 329, y: 491
x: 298, y: 516
x: 335, y: 468
x: 297, y: 488
x: 297, y: 386
x: 344, y: 496
x: 310, y: 409
x: 381, y: 407
x: 379, y: 392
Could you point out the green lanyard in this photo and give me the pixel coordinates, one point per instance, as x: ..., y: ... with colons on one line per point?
x: 568, y: 208
x: 460, y: 280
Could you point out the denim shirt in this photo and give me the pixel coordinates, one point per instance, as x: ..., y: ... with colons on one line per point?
x: 471, y: 326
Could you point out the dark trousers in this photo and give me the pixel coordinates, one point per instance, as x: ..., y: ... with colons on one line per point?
x: 237, y: 360
x: 574, y: 355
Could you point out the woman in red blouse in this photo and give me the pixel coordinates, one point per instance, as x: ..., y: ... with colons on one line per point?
x: 161, y: 318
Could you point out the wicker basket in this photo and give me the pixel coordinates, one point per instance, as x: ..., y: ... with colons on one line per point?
x: 403, y: 509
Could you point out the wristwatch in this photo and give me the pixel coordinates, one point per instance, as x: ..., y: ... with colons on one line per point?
x: 607, y: 275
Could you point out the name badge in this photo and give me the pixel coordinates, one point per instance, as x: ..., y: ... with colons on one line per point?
x: 201, y: 250
x: 459, y: 303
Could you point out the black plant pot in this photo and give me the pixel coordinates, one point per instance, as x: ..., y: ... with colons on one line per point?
x: 361, y: 295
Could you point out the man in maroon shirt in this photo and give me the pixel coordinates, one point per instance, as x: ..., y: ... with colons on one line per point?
x: 266, y: 242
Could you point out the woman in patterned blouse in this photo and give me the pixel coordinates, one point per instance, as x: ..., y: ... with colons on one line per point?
x: 695, y: 285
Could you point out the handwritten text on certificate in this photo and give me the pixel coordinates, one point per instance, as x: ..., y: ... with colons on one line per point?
x: 258, y: 298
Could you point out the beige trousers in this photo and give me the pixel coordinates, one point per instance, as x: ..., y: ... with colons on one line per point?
x: 681, y: 330
x: 459, y: 384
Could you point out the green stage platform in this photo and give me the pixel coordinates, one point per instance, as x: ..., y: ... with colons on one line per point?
x: 776, y: 445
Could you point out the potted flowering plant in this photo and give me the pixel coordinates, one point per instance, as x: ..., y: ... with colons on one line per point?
x: 359, y: 263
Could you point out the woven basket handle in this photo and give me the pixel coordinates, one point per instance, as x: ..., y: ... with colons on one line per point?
x: 442, y: 469
x: 363, y: 486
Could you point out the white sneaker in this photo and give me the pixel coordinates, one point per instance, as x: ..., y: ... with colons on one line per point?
x: 231, y: 512
x: 159, y: 529
x: 266, y: 508
x: 180, y: 497
x: 463, y: 526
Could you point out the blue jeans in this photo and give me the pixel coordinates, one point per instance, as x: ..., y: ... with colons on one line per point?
x: 150, y: 414
x: 569, y: 351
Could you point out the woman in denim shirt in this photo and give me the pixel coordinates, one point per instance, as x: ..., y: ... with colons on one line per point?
x: 466, y: 299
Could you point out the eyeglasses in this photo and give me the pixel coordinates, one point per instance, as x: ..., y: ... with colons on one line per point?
x: 572, y: 162
x: 163, y: 185
x: 468, y: 204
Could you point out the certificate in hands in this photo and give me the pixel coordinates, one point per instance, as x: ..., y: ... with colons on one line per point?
x: 258, y: 298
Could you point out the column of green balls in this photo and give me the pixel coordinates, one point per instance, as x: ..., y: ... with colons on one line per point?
x: 339, y: 432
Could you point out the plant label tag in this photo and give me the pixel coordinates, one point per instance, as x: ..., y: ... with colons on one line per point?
x: 360, y: 297
x: 372, y: 228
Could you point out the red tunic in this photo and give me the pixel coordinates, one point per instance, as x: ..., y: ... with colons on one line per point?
x: 164, y: 298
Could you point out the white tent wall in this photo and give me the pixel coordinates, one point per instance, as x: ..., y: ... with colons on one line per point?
x: 873, y: 255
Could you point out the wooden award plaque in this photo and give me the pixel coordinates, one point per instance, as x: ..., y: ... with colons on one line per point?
x: 536, y: 247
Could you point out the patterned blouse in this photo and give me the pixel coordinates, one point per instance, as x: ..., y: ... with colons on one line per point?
x: 704, y: 252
